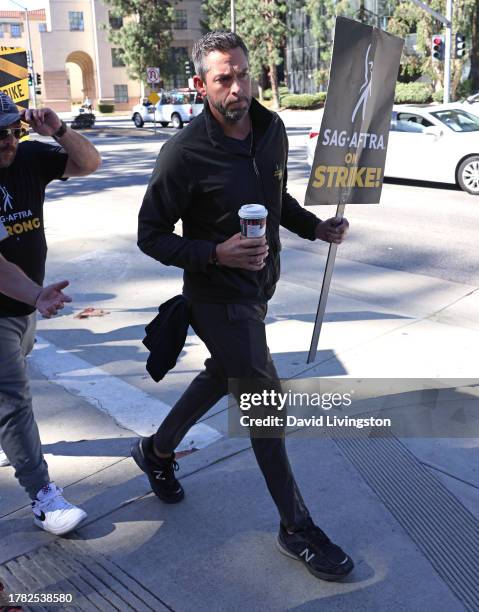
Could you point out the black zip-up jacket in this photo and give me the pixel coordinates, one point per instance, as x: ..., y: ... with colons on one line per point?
x: 203, y: 177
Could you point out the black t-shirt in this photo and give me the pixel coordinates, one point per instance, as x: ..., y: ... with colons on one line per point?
x: 22, y: 192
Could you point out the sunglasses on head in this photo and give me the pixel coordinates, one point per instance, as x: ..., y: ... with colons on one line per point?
x: 15, y: 132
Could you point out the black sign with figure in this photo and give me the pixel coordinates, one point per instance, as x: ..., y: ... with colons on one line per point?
x: 348, y: 165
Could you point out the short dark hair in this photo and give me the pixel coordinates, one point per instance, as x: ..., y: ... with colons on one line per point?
x: 219, y: 40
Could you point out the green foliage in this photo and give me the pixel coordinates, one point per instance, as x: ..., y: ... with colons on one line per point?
x: 408, y: 18
x: 438, y: 95
x: 412, y: 93
x: 144, y: 39
x: 323, y: 15
x: 465, y: 89
x: 261, y: 24
x: 304, y: 101
x: 103, y: 107
x: 268, y: 94
x: 216, y: 14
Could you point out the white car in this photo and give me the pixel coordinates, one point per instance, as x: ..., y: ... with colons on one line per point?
x: 471, y: 104
x: 436, y: 143
x: 175, y: 107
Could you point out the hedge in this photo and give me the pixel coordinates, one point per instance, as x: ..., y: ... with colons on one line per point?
x: 413, y: 93
x: 304, y: 101
x: 106, y: 108
x: 282, y: 90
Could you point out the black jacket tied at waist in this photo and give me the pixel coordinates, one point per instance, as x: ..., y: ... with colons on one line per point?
x: 166, y: 336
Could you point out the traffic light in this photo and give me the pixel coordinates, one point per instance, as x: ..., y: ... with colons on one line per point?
x: 39, y: 79
x: 460, y: 48
x: 30, y: 79
x: 437, y: 47
x: 188, y: 68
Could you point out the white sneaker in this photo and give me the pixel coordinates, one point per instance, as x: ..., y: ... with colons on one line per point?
x: 3, y: 458
x: 53, y: 513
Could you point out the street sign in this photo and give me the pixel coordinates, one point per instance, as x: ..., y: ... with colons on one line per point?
x: 153, y: 97
x: 153, y: 75
x: 14, y: 74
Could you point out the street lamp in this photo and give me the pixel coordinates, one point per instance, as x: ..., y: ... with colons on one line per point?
x: 29, y: 54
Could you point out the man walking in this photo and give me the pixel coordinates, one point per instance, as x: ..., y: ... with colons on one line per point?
x: 25, y: 170
x: 234, y: 153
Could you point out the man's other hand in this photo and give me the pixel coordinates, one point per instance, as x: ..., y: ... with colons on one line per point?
x: 51, y: 299
x: 245, y: 253
x: 332, y: 230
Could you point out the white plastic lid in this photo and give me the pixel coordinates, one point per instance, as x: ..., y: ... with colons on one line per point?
x: 253, y: 211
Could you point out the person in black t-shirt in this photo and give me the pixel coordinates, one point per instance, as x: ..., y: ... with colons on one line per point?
x: 16, y: 284
x: 26, y: 168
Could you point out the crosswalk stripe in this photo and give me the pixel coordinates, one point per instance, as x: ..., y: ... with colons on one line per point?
x: 129, y: 406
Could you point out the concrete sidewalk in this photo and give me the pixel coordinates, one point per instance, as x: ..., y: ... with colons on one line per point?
x: 406, y: 510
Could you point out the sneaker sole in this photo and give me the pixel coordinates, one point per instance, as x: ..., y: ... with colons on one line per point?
x: 137, y: 455
x: 316, y: 573
x: 59, y: 532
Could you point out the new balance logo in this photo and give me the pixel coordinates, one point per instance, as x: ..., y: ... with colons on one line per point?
x: 307, y: 555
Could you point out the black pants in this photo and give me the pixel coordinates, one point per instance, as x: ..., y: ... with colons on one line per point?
x: 236, y: 338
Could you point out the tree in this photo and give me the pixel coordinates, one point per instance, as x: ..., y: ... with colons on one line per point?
x: 475, y: 48
x: 323, y: 15
x: 144, y: 39
x: 407, y: 19
x: 262, y: 25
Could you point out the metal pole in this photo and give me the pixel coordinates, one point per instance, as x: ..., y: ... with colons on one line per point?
x: 328, y: 273
x: 448, y: 53
x: 97, y: 53
x: 34, y: 76
x: 233, y: 16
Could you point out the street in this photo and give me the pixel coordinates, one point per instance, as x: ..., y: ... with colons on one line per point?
x: 422, y: 228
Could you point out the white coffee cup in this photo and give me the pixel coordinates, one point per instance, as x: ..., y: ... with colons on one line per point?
x: 253, y: 220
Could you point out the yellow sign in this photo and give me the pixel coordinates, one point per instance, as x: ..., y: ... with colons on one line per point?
x: 14, y: 74
x: 153, y: 97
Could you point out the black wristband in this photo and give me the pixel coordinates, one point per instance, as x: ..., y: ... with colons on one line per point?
x: 61, y: 130
x: 214, y: 257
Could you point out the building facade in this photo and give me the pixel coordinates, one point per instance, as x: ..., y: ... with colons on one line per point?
x: 73, y: 58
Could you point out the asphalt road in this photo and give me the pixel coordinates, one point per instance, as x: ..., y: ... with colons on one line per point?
x: 423, y: 228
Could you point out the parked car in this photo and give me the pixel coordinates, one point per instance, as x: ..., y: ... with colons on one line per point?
x: 175, y: 107
x: 436, y: 143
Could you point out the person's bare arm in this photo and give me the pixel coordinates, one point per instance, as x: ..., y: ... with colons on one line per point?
x: 83, y: 157
x: 16, y: 284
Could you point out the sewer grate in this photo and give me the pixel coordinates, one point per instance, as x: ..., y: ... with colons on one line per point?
x: 66, y: 567
x: 442, y: 528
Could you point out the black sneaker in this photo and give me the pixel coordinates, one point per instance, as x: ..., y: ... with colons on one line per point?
x: 160, y: 472
x: 312, y: 546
